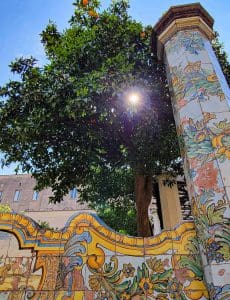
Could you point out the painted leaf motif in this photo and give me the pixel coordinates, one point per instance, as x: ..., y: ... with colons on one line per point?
x: 225, y: 250
x: 145, y: 270
x: 192, y: 246
x: 192, y: 265
x: 139, y: 274
x: 166, y: 275
x: 108, y: 267
x: 155, y: 264
x: 215, y: 215
x: 115, y: 277
x: 133, y: 287
x: 123, y: 286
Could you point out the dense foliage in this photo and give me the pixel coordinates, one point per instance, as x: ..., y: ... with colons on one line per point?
x: 221, y: 56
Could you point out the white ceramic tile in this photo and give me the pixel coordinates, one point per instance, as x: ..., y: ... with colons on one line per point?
x: 214, y: 104
x: 191, y: 110
x: 221, y: 274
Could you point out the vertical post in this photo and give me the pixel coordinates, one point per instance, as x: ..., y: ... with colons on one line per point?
x: 200, y: 100
x: 170, y: 203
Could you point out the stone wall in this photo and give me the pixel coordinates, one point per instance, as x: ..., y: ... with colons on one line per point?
x: 25, y: 183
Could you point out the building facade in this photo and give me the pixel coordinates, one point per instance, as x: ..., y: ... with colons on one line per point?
x: 18, y: 191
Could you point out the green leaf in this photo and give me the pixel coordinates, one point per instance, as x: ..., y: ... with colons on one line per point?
x: 166, y: 275
x: 123, y: 286
x: 133, y: 287
x: 145, y: 271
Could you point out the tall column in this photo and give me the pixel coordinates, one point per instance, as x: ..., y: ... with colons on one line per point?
x: 170, y: 203
x: 200, y: 100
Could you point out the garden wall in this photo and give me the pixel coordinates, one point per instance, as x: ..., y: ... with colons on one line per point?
x: 87, y: 260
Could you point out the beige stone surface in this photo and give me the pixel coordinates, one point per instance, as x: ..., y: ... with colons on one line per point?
x: 56, y: 219
x: 170, y: 204
x: 26, y: 184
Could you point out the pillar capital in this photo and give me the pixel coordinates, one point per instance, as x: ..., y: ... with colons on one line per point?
x: 181, y: 17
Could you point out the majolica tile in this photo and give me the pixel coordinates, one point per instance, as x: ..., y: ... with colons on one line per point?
x: 222, y: 273
x: 4, y: 243
x: 14, y: 251
x: 228, y: 199
x: 224, y: 169
x: 159, y: 245
x: 39, y: 295
x: 187, y: 41
x: 4, y: 295
x: 215, y: 104
x: 15, y: 273
x: 87, y: 266
x: 192, y: 110
x: 171, y: 55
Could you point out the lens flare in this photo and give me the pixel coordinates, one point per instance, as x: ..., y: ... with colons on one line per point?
x: 134, y: 98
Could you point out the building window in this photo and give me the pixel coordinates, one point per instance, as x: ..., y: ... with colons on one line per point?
x: 73, y: 193
x: 0, y: 196
x: 16, y: 195
x: 35, y: 195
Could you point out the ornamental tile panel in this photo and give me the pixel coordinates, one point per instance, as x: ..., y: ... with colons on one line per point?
x: 94, y: 262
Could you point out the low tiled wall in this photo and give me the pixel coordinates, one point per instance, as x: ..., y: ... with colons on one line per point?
x: 87, y: 260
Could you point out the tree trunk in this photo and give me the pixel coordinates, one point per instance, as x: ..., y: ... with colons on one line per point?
x: 143, y: 195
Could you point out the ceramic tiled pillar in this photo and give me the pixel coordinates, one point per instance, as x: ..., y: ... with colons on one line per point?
x: 200, y: 100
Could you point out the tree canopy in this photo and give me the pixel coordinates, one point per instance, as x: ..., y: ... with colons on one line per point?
x: 70, y: 122
x: 221, y: 55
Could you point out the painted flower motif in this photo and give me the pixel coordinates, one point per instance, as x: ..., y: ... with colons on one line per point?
x: 175, y: 286
x: 155, y: 265
x: 218, y: 292
x: 166, y: 263
x: 95, y: 282
x: 221, y: 272
x: 128, y: 270
x: 125, y: 296
x: 207, y: 177
x: 182, y: 274
x: 146, y: 286
x: 181, y: 103
x: 212, y: 252
x: 162, y: 297
x: 104, y: 295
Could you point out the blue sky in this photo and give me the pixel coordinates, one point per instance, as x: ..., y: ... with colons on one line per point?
x: 21, y: 21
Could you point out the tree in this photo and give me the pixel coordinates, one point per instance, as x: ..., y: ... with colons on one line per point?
x: 70, y: 122
x: 221, y: 56
x: 117, y: 186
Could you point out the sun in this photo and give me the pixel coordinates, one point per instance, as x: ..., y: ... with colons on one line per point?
x: 134, y: 98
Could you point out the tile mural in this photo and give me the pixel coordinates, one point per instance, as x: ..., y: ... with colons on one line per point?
x: 88, y: 260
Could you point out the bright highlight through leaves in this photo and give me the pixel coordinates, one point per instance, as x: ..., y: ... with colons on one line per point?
x: 134, y: 98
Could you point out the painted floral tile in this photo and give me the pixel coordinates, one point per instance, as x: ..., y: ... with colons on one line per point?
x: 39, y: 295
x: 222, y: 273
x: 190, y: 41
x: 215, y: 104
x: 194, y: 81
x: 44, y: 269
x: 219, y: 133
x: 191, y: 110
x: 184, y: 42
x: 15, y: 272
